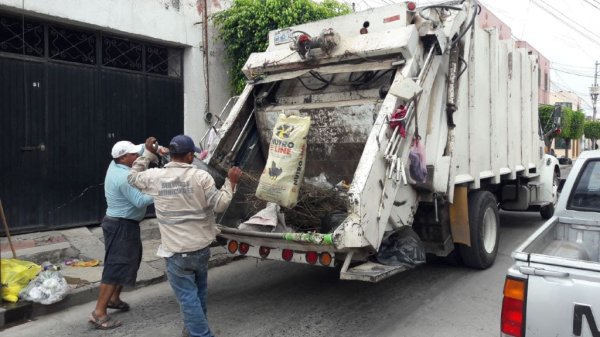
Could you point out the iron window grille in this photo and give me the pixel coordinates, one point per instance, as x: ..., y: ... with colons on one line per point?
x: 71, y: 45
x: 25, y: 36
x: 20, y: 36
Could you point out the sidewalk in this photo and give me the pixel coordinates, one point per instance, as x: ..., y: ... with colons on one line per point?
x: 84, y: 244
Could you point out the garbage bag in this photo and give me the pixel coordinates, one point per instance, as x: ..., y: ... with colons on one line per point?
x: 16, y: 274
x: 403, y: 247
x: 418, y: 165
x: 47, y: 288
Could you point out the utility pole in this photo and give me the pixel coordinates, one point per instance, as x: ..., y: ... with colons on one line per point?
x: 594, y: 90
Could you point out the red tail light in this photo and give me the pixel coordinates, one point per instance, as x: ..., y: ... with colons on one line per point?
x: 411, y: 6
x: 232, y: 246
x: 287, y: 254
x: 312, y: 257
x: 264, y: 251
x: 513, y: 307
x: 244, y: 247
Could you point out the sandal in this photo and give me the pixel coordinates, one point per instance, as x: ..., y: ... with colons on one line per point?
x: 105, y: 323
x: 122, y: 306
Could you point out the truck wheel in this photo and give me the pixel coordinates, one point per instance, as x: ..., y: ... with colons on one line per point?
x: 548, y: 211
x: 484, y: 227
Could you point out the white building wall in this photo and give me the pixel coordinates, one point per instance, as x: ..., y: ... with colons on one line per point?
x: 170, y: 22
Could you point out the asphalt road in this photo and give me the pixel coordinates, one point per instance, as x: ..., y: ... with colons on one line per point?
x: 265, y: 298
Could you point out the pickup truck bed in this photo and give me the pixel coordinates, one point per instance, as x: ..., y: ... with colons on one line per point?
x: 553, y: 288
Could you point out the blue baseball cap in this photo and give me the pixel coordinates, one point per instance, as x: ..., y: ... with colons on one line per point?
x: 182, y: 144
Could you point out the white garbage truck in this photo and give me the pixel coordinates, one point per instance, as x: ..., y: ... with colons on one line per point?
x: 421, y: 122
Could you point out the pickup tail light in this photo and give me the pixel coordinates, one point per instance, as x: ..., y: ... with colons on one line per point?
x: 512, y: 322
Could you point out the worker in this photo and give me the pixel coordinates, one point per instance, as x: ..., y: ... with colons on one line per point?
x: 121, y: 230
x: 185, y: 199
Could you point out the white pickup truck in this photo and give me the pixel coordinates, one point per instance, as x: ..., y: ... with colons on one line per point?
x: 553, y: 288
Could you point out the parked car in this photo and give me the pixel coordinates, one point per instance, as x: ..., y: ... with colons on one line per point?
x: 565, y: 160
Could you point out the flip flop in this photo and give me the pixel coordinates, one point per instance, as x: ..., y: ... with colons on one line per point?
x: 105, y: 323
x: 123, y: 306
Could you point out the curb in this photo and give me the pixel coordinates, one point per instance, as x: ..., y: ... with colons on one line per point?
x: 20, y: 312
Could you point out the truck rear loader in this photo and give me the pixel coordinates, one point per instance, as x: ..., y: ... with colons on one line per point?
x: 384, y: 88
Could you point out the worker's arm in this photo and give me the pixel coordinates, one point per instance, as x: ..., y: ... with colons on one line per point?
x: 139, y: 175
x: 216, y: 199
x: 137, y: 198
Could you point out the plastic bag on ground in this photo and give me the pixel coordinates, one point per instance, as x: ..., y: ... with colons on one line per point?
x: 15, y: 275
x: 402, y: 248
x: 47, y: 288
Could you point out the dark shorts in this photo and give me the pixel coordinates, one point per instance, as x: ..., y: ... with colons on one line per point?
x: 123, y: 251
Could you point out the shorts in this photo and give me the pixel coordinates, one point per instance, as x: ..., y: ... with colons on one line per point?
x: 123, y: 251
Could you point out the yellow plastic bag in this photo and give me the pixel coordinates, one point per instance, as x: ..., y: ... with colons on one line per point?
x: 15, y: 275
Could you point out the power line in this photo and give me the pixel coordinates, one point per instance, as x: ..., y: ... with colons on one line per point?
x: 572, y: 73
x: 595, y: 39
x: 592, y: 4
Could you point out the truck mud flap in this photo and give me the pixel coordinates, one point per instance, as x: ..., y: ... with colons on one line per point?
x: 371, y: 272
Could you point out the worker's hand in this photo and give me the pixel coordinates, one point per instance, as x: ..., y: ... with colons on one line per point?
x: 163, y: 150
x: 234, y: 175
x: 152, y: 145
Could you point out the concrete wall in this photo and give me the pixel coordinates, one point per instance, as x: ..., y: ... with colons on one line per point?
x: 171, y: 22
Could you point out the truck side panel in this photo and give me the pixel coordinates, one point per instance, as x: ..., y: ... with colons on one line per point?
x: 526, y: 158
x: 479, y: 107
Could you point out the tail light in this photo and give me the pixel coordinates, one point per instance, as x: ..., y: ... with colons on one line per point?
x: 264, y: 252
x: 513, y: 307
x: 244, y: 248
x: 325, y: 259
x: 311, y: 257
x: 287, y: 254
x: 411, y: 6
x: 232, y: 246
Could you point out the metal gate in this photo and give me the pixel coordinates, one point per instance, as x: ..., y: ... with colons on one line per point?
x: 66, y: 96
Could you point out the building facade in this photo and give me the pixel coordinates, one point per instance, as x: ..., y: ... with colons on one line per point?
x: 77, y: 77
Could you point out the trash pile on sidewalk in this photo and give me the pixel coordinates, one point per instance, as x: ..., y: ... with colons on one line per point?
x: 45, y: 284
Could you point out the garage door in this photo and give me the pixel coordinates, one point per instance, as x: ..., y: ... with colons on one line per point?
x: 66, y: 96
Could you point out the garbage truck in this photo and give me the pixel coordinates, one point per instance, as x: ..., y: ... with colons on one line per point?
x: 422, y: 126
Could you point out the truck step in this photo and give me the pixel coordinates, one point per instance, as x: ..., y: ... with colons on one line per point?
x: 371, y: 272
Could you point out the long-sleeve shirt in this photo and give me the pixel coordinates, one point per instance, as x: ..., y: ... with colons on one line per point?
x: 185, y: 199
x: 123, y: 200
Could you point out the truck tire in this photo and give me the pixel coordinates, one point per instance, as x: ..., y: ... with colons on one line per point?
x: 548, y: 211
x: 484, y: 224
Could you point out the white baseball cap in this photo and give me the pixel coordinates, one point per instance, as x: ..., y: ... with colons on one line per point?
x: 123, y: 147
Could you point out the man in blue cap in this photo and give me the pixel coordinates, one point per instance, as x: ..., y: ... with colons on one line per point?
x: 186, y: 200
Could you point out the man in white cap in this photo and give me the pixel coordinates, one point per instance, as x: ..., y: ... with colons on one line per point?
x: 121, y: 230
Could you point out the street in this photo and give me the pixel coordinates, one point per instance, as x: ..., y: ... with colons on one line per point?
x: 266, y: 298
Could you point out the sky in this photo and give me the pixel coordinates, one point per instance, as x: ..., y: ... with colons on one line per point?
x: 566, y: 32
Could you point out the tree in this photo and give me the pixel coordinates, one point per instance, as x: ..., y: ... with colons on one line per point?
x: 244, y: 27
x: 591, y: 130
x: 545, y: 113
x: 572, y: 126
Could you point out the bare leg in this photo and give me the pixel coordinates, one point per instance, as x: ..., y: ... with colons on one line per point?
x: 116, y: 295
x: 104, y: 295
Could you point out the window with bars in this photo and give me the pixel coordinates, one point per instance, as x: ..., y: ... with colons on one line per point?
x: 21, y: 36
x: 24, y: 36
x: 71, y: 45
